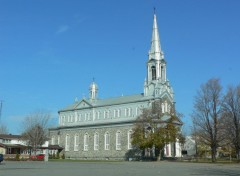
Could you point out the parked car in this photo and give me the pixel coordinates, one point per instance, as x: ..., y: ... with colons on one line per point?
x: 37, y: 157
x: 40, y: 156
x: 1, y: 158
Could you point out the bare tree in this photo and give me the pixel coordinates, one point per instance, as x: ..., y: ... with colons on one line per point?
x: 35, y: 128
x: 206, y: 115
x: 3, y: 129
x: 231, y: 117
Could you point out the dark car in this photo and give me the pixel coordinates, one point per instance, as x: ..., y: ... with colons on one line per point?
x: 1, y: 158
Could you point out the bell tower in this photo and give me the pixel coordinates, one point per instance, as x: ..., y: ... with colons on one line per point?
x: 156, y: 66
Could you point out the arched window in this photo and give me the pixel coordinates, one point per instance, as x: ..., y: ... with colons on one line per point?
x: 60, y: 120
x: 130, y: 112
x: 130, y: 139
x: 153, y: 72
x: 166, y: 106
x: 163, y: 108
x: 58, y: 140
x: 118, y: 140
x: 97, y: 115
x: 137, y: 109
x: 106, y: 114
x: 75, y: 117
x: 86, y: 141
x: 67, y: 143
x: 107, y: 141
x: 96, y: 141
x: 76, y: 142
x: 79, y: 117
x: 169, y: 108
x: 89, y: 116
x: 118, y: 113
x: 53, y: 140
x: 162, y: 71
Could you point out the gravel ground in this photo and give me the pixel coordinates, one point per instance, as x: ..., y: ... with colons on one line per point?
x: 116, y: 169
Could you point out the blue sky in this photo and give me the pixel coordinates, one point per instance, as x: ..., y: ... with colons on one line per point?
x: 51, y: 50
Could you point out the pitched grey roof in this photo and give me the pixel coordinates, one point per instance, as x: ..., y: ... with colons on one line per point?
x: 10, y: 136
x: 106, y: 102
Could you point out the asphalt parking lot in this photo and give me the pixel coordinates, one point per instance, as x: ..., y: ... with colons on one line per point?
x: 115, y: 169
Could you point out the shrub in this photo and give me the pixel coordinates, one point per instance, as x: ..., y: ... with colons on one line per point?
x: 50, y: 156
x: 17, y: 157
x: 58, y: 155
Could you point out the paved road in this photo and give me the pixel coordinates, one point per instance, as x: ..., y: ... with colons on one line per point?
x: 116, y: 169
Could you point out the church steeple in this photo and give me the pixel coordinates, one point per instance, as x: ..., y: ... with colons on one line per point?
x: 156, y: 64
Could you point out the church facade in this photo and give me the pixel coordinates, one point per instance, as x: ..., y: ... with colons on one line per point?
x: 95, y: 128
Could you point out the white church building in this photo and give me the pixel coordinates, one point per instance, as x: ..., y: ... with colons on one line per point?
x: 95, y: 128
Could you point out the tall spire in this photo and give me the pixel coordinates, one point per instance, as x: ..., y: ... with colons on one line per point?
x: 156, y: 65
x: 155, y: 50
